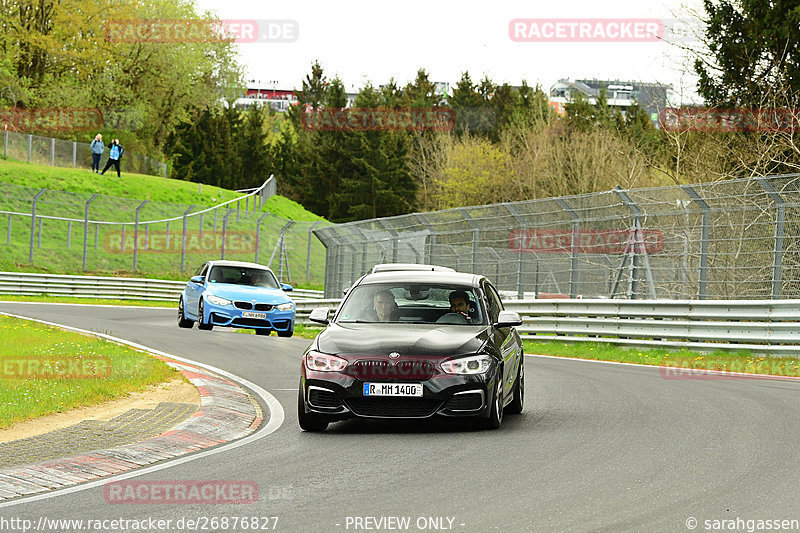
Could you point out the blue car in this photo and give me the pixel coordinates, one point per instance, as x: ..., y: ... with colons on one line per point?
x: 236, y: 294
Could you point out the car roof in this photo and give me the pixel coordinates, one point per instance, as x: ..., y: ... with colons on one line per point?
x: 220, y: 262
x: 425, y: 276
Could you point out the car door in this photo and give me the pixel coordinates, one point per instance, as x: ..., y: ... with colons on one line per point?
x: 194, y: 290
x: 505, y: 339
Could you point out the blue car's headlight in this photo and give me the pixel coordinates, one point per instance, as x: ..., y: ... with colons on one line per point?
x: 216, y: 300
x: 288, y: 306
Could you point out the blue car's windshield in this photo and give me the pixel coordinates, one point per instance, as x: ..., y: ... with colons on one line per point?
x: 243, y: 276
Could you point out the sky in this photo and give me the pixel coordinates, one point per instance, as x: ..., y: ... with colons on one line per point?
x: 376, y: 40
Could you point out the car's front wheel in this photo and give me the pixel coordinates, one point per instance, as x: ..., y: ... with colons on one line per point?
x: 183, y: 322
x: 496, y: 416
x: 517, y: 403
x: 201, y: 318
x: 308, y: 421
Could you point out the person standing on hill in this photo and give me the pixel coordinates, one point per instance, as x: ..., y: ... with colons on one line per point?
x: 97, y: 151
x: 114, y: 156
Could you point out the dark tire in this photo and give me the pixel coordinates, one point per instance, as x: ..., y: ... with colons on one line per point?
x: 308, y: 421
x: 183, y: 322
x: 518, y: 402
x: 265, y: 332
x: 495, y: 419
x: 287, y: 333
x: 200, y: 324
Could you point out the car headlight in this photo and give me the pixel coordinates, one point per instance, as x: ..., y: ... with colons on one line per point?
x: 216, y: 300
x: 476, y: 364
x: 288, y: 306
x: 322, y: 362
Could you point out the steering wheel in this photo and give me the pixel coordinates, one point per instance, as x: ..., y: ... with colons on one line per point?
x: 452, y: 318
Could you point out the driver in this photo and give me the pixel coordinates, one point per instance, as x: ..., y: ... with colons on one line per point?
x: 459, y: 303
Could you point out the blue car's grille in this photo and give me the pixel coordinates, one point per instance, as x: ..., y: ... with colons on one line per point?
x: 263, y: 307
x: 243, y: 305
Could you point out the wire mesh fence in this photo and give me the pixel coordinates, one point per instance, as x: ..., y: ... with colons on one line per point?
x: 74, y: 232
x: 737, y: 239
x: 61, y: 153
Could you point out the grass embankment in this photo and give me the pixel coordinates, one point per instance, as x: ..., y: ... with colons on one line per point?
x: 46, y: 370
x: 110, y: 250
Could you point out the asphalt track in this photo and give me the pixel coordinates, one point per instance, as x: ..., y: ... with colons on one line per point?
x: 600, y: 447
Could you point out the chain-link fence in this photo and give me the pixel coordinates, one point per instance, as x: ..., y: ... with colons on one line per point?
x: 61, y: 153
x: 737, y: 239
x: 72, y: 233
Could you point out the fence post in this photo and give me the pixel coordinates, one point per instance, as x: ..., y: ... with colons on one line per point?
x: 258, y: 234
x: 167, y: 237
x: 639, y: 246
x: 308, y: 252
x: 237, y: 210
x: 706, y: 211
x: 780, y: 218
x: 122, y: 241
x: 69, y: 233
x: 96, y: 234
x: 576, y: 235
x: 395, y: 238
x: 518, y: 218
x: 74, y: 154
x: 52, y: 151
x: 183, y: 243
x: 476, y: 235
x: 225, y: 229
x: 428, y: 251
x: 136, y: 234
x: 8, y: 234
x: 86, y: 229
x: 5, y: 144
x: 30, y: 141
x: 41, y: 225
x: 200, y: 235
x: 33, y: 217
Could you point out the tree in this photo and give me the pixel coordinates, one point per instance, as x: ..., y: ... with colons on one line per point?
x: 753, y: 48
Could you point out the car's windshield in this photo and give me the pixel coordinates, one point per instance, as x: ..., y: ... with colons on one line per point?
x: 412, y: 303
x: 256, y: 277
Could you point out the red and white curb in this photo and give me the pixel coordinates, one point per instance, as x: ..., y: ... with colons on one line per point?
x: 227, y: 418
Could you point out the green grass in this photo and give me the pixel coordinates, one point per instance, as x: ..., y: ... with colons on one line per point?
x: 67, y: 193
x: 81, y: 300
x: 739, y: 361
x: 46, y: 370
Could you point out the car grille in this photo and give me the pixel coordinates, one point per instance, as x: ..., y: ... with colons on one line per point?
x: 250, y: 322
x: 465, y: 402
x: 243, y: 305
x: 263, y: 307
x: 247, y: 306
x: 393, y: 407
x: 389, y: 370
x: 323, y: 398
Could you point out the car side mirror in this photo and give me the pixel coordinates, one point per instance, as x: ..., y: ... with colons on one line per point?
x: 286, y: 287
x: 508, y: 319
x: 319, y: 315
x: 197, y: 279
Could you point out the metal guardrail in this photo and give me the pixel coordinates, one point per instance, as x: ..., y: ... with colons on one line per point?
x: 22, y: 283
x: 769, y: 326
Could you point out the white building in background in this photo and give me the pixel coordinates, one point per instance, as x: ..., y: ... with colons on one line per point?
x: 619, y: 94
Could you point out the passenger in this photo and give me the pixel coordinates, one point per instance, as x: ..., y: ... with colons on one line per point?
x: 385, y: 306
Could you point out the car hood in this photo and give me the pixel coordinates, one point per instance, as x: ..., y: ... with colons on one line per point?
x: 247, y: 293
x: 418, y: 339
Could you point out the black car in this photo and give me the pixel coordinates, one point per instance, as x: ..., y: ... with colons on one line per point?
x: 414, y: 344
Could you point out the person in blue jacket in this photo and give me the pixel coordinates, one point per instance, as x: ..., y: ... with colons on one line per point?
x: 114, y: 156
x: 97, y: 150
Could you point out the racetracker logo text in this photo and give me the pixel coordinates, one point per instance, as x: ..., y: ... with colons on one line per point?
x: 181, y: 492
x: 598, y: 30
x: 380, y: 119
x: 163, y: 242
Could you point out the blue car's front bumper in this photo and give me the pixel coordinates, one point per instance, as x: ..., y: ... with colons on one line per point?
x: 230, y: 316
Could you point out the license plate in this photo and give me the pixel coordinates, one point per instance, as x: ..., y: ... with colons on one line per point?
x: 392, y: 389
x: 250, y: 314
